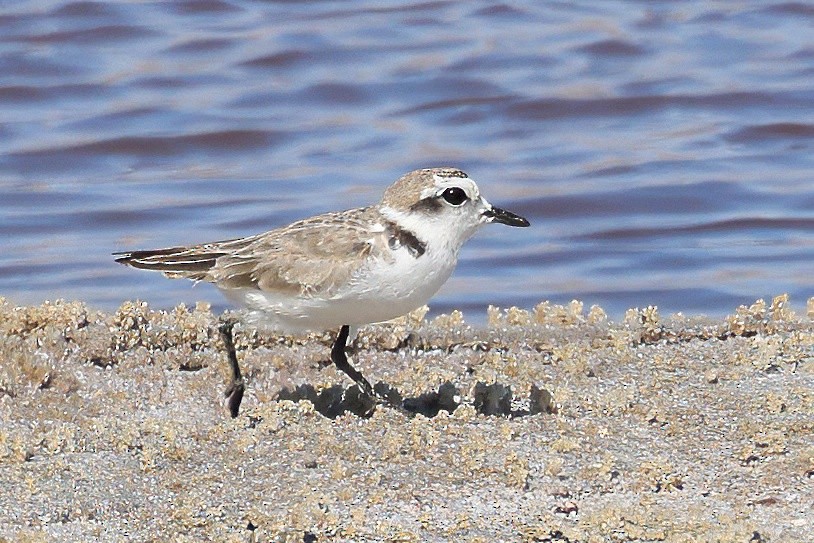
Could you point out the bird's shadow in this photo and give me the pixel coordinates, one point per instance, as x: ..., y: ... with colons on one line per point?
x: 488, y: 399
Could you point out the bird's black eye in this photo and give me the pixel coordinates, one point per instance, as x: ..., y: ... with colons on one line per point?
x: 454, y: 195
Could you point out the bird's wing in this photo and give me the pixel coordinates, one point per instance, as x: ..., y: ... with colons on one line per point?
x: 312, y: 256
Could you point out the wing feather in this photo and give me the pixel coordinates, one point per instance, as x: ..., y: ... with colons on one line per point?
x: 309, y: 257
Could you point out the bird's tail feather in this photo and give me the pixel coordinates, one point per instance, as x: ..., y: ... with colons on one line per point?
x: 189, y: 262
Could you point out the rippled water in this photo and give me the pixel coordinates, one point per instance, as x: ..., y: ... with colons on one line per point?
x: 662, y: 150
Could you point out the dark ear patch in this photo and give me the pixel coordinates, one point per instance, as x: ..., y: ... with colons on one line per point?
x: 426, y: 205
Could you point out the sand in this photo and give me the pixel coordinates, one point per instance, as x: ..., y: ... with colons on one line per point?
x: 554, y: 424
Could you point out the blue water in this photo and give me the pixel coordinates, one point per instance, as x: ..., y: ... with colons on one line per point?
x: 662, y: 150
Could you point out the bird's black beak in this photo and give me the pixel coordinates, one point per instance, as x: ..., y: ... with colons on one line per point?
x: 495, y: 214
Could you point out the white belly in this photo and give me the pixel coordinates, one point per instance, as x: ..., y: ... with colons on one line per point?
x: 381, y: 291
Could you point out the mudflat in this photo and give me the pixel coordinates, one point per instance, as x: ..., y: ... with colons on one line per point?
x: 555, y: 424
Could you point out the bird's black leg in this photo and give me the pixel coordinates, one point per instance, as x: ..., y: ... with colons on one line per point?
x: 234, y: 392
x: 339, y: 358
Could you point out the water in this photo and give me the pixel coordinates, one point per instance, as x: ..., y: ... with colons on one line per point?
x: 662, y: 150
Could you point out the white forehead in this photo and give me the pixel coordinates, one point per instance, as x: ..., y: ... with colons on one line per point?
x: 442, y: 183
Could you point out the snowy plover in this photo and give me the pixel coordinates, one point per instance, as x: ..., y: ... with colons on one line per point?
x: 343, y: 269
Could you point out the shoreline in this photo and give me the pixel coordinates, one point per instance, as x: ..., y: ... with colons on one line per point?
x: 652, y: 428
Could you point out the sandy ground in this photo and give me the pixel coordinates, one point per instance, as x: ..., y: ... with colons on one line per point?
x: 549, y: 425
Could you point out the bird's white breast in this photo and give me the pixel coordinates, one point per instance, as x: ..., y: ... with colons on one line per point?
x: 385, y: 287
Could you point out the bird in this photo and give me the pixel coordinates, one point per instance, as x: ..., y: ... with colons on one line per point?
x: 339, y: 270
